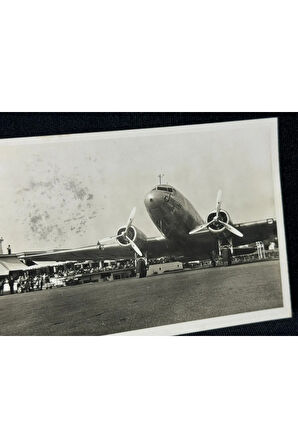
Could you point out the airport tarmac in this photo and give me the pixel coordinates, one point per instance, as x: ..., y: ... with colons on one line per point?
x: 130, y: 304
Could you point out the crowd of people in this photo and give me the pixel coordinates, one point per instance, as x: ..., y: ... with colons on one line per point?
x: 162, y: 260
x: 25, y: 283
x: 33, y: 280
x: 72, y: 270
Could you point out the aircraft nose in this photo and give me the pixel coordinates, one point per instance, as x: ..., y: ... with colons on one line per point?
x: 152, y: 199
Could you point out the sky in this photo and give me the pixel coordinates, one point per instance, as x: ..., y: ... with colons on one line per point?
x: 71, y: 191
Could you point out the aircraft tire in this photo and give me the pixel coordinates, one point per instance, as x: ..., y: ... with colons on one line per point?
x: 141, y: 268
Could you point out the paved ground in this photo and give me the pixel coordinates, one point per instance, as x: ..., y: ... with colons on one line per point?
x: 122, y: 305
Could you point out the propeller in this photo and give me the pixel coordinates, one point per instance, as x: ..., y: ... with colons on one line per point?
x: 124, y: 234
x: 218, y: 203
x: 134, y: 246
x: 216, y: 219
x: 231, y: 229
x: 129, y: 222
x: 205, y: 226
x: 199, y: 228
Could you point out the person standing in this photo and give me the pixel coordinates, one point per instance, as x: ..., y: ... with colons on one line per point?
x: 19, y: 284
x: 31, y: 283
x: 11, y: 283
x: 27, y: 283
x: 40, y: 282
x: 2, y: 281
x: 9, y: 249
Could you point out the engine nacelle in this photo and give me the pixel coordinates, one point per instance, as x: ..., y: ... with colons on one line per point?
x: 134, y: 234
x: 217, y: 227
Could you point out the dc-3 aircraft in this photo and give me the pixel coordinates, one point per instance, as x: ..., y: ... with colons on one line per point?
x: 183, y: 233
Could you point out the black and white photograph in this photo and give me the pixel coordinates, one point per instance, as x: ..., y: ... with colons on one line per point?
x: 148, y: 179
x: 158, y: 231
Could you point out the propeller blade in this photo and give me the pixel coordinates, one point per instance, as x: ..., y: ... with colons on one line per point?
x: 201, y: 227
x: 130, y: 219
x: 105, y: 240
x: 134, y: 246
x: 231, y: 229
x: 110, y: 238
x: 218, y: 202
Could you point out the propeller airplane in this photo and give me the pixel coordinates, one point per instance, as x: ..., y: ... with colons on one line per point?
x: 184, y: 234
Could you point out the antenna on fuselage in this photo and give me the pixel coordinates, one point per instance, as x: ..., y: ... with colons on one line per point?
x: 160, y: 176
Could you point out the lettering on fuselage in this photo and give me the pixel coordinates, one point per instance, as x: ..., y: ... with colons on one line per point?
x: 173, y: 205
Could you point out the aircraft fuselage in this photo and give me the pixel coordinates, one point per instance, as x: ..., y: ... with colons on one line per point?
x: 171, y: 212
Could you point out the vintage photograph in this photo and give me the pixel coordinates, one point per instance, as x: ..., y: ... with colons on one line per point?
x: 160, y: 231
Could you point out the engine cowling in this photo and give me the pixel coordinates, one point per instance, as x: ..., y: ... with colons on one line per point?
x: 218, y: 221
x: 217, y: 227
x: 133, y: 233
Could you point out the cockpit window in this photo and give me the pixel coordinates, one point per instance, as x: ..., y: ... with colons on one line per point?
x: 169, y: 189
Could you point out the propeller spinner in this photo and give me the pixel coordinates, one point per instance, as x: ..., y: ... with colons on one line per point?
x: 124, y: 234
x: 217, y: 220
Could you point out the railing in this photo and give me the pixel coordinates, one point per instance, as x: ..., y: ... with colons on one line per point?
x: 239, y: 259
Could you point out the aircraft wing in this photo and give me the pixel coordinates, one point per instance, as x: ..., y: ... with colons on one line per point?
x: 155, y: 247
x: 203, y: 242
x: 95, y: 252
x: 197, y: 245
x: 253, y: 231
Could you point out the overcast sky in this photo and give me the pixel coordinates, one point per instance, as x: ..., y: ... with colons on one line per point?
x: 62, y: 193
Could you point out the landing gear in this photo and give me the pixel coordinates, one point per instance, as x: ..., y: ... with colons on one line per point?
x: 227, y: 256
x: 213, y: 258
x: 225, y: 251
x: 141, y: 266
